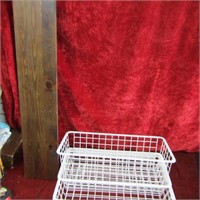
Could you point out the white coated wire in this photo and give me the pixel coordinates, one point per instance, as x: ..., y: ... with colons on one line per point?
x: 71, y: 190
x: 114, y: 166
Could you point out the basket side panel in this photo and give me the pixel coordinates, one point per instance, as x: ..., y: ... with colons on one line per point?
x: 115, y: 142
x: 72, y: 190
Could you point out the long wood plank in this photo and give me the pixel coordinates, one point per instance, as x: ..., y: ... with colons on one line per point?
x: 35, y: 39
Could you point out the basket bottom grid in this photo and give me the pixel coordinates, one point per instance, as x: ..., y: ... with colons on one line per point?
x: 82, y: 191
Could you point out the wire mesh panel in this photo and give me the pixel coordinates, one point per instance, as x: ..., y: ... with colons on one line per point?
x: 92, y: 191
x: 113, y: 166
x: 145, y: 147
x: 87, y: 168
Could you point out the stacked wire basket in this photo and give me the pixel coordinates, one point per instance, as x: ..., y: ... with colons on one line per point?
x: 105, y: 166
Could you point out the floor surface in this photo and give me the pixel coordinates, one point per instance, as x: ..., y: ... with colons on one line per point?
x: 184, y: 176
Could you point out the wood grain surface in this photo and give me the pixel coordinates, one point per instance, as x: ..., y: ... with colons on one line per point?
x: 35, y: 39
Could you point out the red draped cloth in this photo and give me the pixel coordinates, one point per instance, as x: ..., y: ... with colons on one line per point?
x: 123, y: 67
x: 8, y: 78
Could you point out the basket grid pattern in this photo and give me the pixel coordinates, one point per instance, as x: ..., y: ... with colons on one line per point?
x: 115, y: 170
x: 114, y: 166
x: 118, y: 142
x: 83, y: 191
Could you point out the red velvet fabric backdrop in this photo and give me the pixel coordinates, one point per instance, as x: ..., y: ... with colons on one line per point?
x: 8, y: 78
x: 123, y: 67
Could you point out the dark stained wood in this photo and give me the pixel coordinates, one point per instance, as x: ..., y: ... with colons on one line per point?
x: 11, y: 152
x: 35, y: 38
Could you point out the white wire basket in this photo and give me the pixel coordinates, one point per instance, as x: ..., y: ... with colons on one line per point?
x: 113, y: 166
x: 88, y: 168
x: 93, y: 191
x: 147, y: 148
